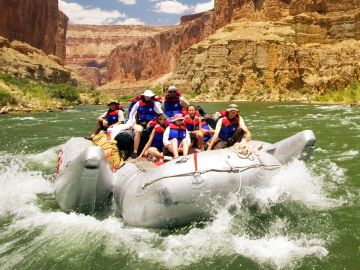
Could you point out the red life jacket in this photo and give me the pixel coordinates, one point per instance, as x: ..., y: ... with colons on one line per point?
x: 191, y: 124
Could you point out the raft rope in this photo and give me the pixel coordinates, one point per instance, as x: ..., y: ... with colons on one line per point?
x: 241, y: 150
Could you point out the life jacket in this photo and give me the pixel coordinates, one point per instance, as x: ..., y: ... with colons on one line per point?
x: 191, y: 124
x: 228, y: 128
x: 172, y: 105
x: 154, y: 122
x: 205, y: 126
x: 138, y: 98
x: 158, y: 137
x: 146, y: 111
x: 112, y: 117
x: 133, y: 102
x: 178, y: 132
x: 121, y: 107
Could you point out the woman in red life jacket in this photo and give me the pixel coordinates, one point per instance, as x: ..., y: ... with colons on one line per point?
x: 176, y: 137
x: 174, y: 103
x: 193, y: 125
x: 113, y: 116
x: 229, y: 129
x: 155, y: 145
x: 141, y: 114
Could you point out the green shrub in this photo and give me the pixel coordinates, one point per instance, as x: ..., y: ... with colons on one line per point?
x: 350, y: 95
x: 6, y: 98
x: 64, y: 91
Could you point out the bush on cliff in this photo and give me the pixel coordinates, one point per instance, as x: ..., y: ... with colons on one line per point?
x: 6, y: 98
x: 40, y: 90
x: 350, y: 95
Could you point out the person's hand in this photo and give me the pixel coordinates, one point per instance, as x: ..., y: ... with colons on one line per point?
x: 248, y: 136
x: 105, y: 123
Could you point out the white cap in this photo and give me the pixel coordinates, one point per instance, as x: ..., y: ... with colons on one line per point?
x: 148, y: 93
x: 172, y: 88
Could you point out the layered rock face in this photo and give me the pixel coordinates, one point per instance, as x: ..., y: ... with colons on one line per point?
x: 89, y: 46
x: 153, y: 56
x: 24, y: 61
x: 36, y: 22
x: 226, y: 11
x: 303, y: 53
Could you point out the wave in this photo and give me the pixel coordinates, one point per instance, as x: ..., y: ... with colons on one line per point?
x: 69, y: 237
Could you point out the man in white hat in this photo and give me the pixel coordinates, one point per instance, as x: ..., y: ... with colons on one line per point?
x: 174, y: 103
x: 229, y: 129
x: 141, y: 114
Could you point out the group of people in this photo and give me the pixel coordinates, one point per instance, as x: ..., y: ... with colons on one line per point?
x: 164, y: 129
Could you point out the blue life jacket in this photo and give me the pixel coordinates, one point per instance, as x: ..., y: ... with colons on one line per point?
x: 158, y: 137
x: 146, y: 111
x: 205, y: 126
x: 112, y: 117
x: 178, y: 132
x: 228, y: 128
x: 172, y: 105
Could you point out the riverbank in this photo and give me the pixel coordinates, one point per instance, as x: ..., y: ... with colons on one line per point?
x: 25, y: 96
x: 19, y: 95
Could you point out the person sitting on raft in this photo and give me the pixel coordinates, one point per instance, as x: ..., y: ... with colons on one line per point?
x: 113, y: 116
x: 174, y: 103
x: 141, y: 114
x: 207, y: 131
x: 155, y: 145
x: 176, y: 137
x: 193, y: 125
x: 229, y: 129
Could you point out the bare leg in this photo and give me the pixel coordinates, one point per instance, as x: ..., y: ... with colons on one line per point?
x: 174, y: 147
x: 154, y: 152
x: 185, y: 147
x: 137, y: 141
x: 200, y: 140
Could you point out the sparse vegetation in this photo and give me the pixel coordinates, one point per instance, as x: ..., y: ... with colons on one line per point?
x: 349, y: 95
x: 6, y: 97
x: 19, y: 91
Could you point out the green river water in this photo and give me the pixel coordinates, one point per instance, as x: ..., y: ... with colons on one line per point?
x: 307, y: 217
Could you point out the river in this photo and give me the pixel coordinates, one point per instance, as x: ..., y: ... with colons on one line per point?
x: 306, y: 218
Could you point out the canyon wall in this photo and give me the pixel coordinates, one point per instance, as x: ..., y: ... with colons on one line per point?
x: 36, y: 22
x: 89, y: 46
x: 154, y: 56
x: 311, y: 50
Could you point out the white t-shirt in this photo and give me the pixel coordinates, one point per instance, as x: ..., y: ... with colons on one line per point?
x: 167, y: 133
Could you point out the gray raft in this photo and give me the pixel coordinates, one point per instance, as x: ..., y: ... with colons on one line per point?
x: 177, y: 193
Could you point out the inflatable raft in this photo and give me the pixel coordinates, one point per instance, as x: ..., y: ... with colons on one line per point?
x: 176, y: 193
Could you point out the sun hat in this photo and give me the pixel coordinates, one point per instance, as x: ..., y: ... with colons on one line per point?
x: 177, y: 116
x: 171, y: 88
x: 113, y: 101
x: 232, y: 107
x: 148, y: 93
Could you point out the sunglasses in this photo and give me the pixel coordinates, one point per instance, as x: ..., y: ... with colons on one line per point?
x: 171, y: 92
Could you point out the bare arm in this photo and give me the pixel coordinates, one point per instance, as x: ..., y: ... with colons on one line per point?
x: 147, y: 146
x: 246, y: 129
x: 216, y: 134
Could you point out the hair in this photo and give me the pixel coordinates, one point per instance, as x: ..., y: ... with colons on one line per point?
x: 161, y: 115
x: 191, y: 105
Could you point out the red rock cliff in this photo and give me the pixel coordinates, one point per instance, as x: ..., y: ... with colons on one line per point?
x: 228, y: 10
x: 36, y: 22
x: 89, y: 46
x: 157, y: 55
